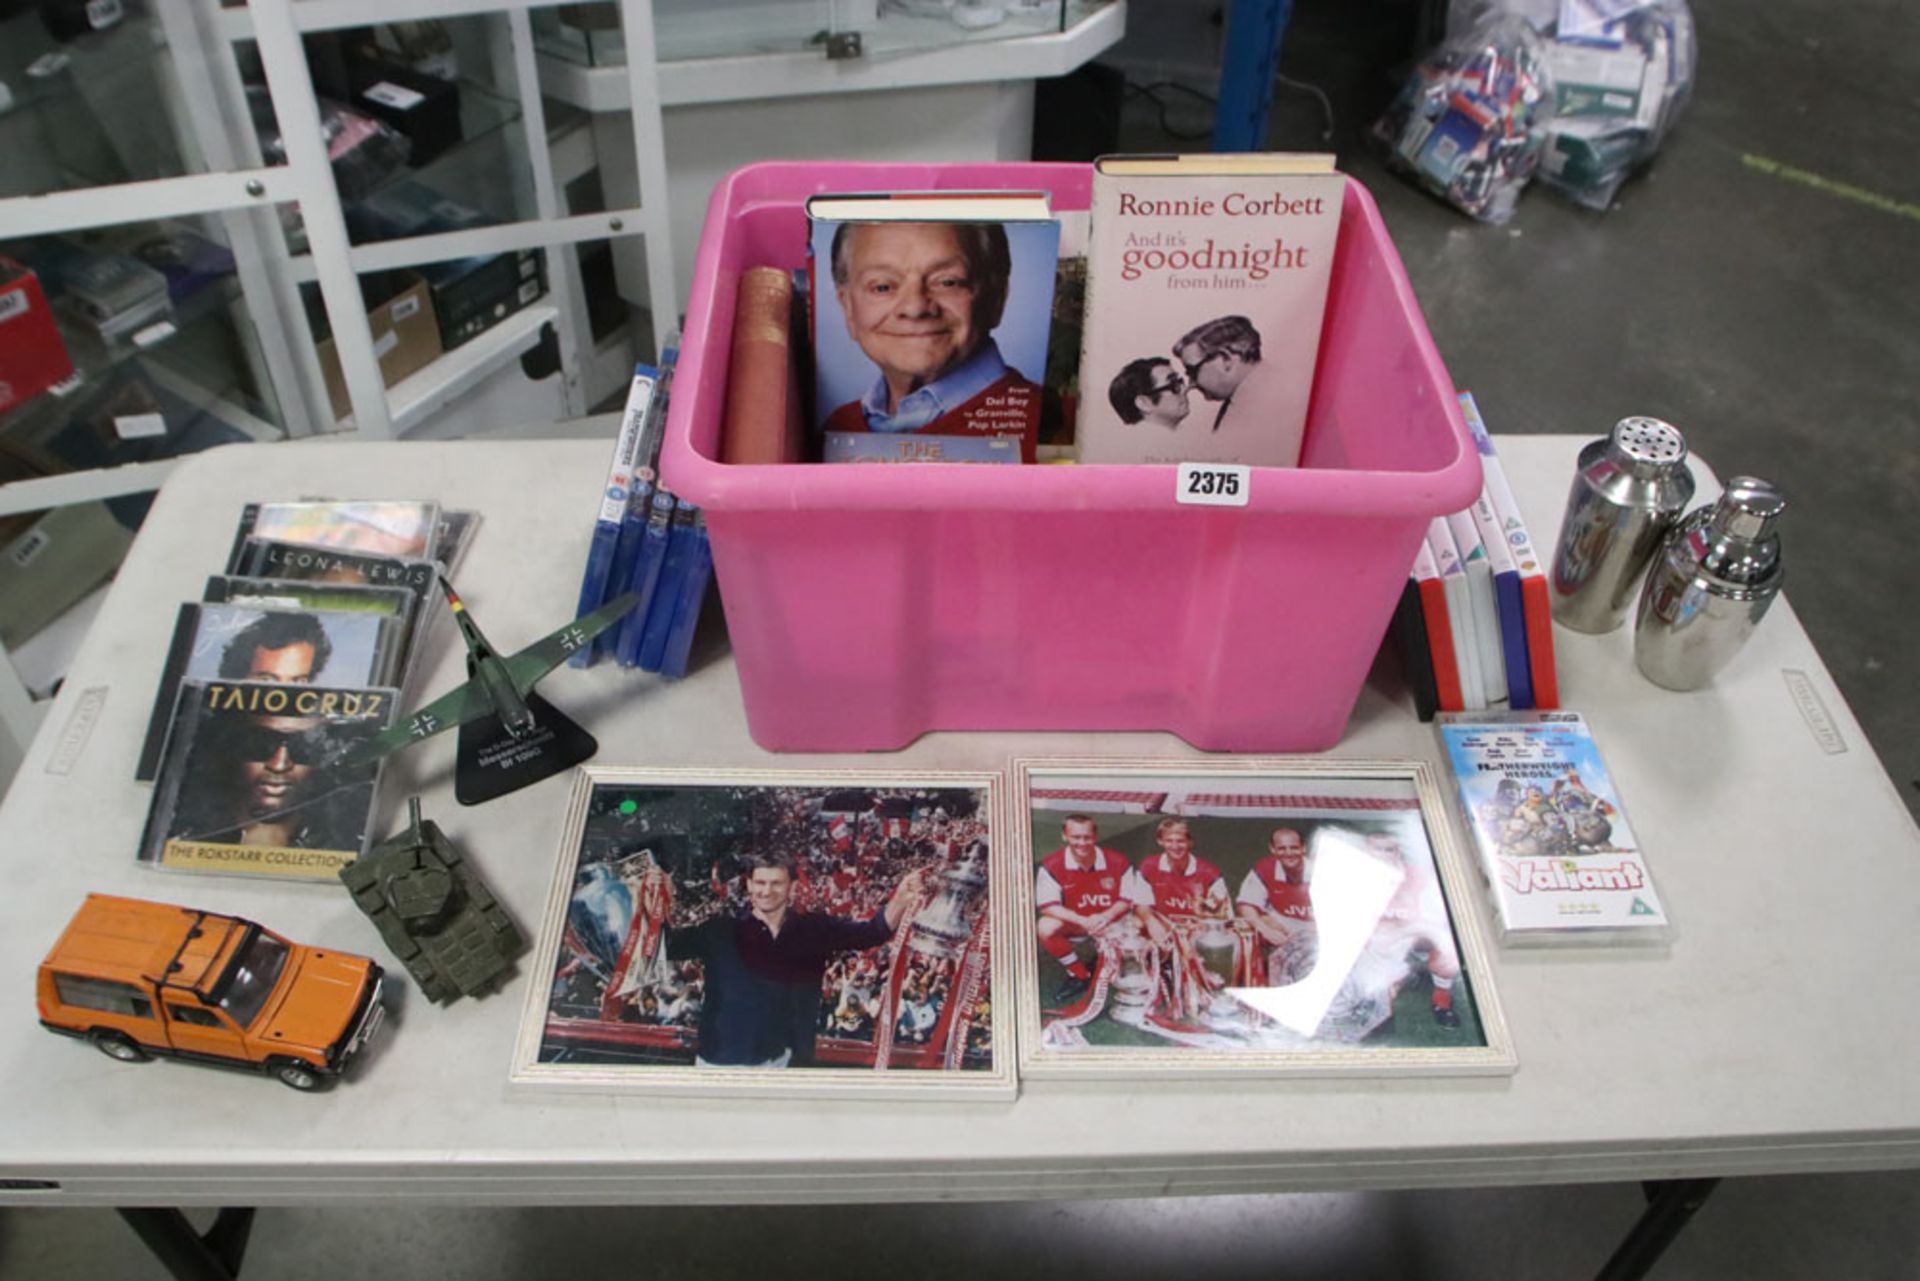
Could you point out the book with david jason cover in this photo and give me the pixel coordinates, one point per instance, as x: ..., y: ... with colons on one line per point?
x: 931, y: 317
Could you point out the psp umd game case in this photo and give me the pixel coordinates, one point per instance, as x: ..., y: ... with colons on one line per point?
x: 1561, y: 861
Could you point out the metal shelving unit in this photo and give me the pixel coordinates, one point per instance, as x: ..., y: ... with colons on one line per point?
x: 172, y: 77
x: 571, y: 158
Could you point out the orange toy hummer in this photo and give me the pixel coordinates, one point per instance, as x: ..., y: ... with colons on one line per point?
x: 138, y: 979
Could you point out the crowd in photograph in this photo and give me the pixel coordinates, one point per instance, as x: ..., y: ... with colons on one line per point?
x: 847, y: 855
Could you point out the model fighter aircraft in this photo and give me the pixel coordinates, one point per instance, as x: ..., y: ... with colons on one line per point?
x: 509, y: 735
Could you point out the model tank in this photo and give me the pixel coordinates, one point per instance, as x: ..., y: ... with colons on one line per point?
x: 433, y: 911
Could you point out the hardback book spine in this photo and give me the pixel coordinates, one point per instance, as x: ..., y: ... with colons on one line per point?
x: 1439, y: 628
x: 761, y: 420
x: 1466, y: 645
x: 1486, y: 615
x: 1534, y: 601
x: 1416, y: 657
x: 1206, y: 295
x: 1539, y: 615
x: 1506, y: 601
x: 1061, y: 391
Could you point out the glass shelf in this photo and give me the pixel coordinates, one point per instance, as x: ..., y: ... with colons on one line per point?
x: 481, y: 179
x: 485, y: 173
x: 588, y: 35
x: 191, y: 382
x: 194, y: 365
x: 92, y: 111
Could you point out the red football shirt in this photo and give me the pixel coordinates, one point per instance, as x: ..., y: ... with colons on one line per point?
x: 1088, y: 891
x: 1182, y: 893
x: 1266, y: 886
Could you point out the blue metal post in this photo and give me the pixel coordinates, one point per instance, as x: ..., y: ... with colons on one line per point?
x: 1247, y: 68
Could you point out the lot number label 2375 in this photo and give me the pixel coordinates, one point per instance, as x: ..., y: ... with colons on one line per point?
x: 1212, y: 484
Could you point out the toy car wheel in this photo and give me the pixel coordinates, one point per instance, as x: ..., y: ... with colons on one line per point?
x: 298, y: 1075
x: 116, y: 1046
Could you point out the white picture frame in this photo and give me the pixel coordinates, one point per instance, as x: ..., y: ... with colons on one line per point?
x: 610, y: 1010
x: 1382, y: 899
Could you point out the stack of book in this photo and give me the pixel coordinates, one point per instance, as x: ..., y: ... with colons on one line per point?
x: 1473, y: 627
x: 292, y: 656
x: 1176, y: 321
x: 646, y: 541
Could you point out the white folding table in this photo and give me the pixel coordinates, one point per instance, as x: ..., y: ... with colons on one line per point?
x: 1766, y: 1039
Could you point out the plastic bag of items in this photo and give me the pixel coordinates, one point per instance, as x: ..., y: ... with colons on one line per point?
x: 1622, y: 71
x: 1471, y: 122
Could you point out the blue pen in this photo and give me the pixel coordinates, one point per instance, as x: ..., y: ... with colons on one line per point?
x: 603, y: 547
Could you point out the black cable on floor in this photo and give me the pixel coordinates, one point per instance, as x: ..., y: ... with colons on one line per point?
x: 1151, y: 92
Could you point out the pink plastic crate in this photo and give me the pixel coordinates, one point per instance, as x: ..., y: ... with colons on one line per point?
x: 868, y: 605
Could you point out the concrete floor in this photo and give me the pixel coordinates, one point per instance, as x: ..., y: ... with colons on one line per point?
x: 1857, y: 1227
x: 1773, y: 320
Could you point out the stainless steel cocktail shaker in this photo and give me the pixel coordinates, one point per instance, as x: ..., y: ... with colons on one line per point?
x: 1629, y: 492
x: 1711, y: 583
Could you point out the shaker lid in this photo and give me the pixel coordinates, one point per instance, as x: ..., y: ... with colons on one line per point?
x: 1747, y: 507
x: 1647, y: 444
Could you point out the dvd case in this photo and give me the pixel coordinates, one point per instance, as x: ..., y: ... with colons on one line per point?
x: 249, y: 783
x: 1562, y: 862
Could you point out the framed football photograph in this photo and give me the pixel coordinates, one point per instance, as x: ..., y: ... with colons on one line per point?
x: 718, y: 931
x: 1250, y: 916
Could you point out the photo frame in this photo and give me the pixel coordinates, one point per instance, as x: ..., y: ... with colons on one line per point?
x: 673, y: 957
x: 1250, y: 916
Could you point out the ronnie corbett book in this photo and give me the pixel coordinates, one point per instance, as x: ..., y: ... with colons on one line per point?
x: 1206, y: 288
x: 931, y: 313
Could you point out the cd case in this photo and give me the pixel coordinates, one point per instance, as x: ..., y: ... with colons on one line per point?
x: 1562, y: 862
x: 402, y: 529
x: 214, y: 641
x: 249, y: 783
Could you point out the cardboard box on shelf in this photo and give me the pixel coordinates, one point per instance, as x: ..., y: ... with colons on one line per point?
x: 64, y: 555
x: 406, y: 338
x: 470, y: 295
